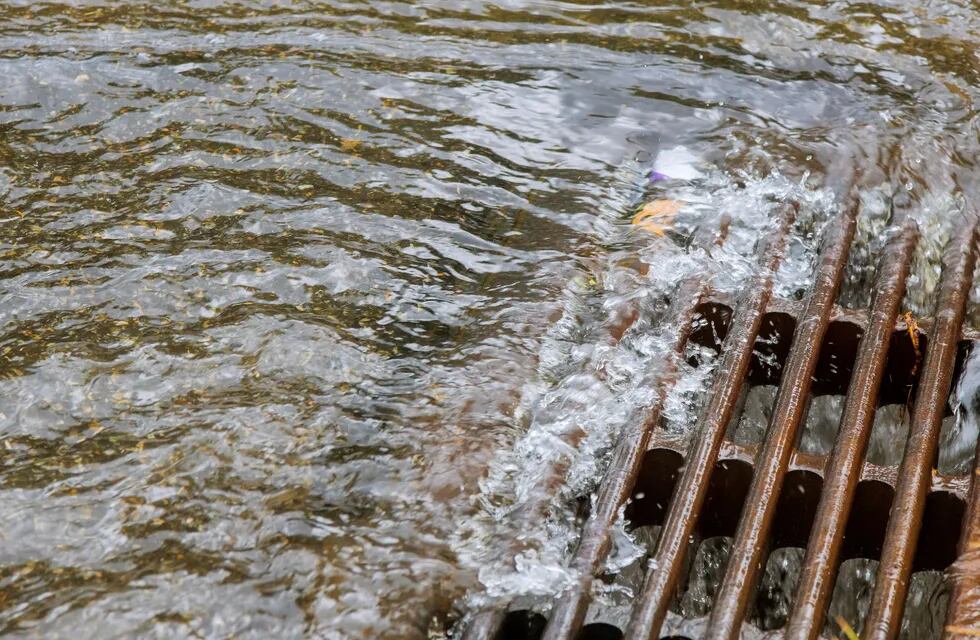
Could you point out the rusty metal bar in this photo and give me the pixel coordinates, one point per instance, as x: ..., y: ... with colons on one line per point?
x: 843, y: 470
x: 963, y: 614
x: 625, y: 464
x: 888, y: 600
x: 746, y: 558
x: 620, y: 479
x: 692, y: 487
x: 617, y: 485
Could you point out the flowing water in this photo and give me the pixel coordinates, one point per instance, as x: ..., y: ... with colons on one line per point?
x: 308, y: 308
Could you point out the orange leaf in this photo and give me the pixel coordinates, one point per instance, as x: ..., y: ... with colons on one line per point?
x: 659, y: 210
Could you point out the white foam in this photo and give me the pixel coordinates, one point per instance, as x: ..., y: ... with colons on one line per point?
x: 589, y: 388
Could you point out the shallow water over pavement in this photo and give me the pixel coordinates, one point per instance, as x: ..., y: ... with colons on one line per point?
x: 297, y: 299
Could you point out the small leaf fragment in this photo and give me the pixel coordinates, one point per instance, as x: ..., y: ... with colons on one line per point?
x: 349, y: 144
x: 847, y: 629
x: 656, y: 216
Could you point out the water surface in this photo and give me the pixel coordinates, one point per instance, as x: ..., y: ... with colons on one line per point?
x: 297, y: 299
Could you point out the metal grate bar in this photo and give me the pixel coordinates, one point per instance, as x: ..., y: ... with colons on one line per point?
x: 712, y: 486
x: 843, y: 471
x: 963, y: 616
x: 746, y: 557
x: 618, y: 482
x: 888, y: 600
x: 692, y: 488
x: 616, y: 486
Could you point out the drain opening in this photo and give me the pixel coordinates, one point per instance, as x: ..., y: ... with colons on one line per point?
x: 707, y: 568
x: 654, y: 487
x: 710, y: 325
x: 727, y: 489
x: 600, y: 631
x: 771, y: 350
x: 821, y: 425
x: 751, y: 416
x: 865, y: 532
x: 941, y: 522
x: 888, y: 435
x: 835, y: 365
x: 903, y: 368
x: 776, y: 588
x: 711, y: 544
x: 796, y: 509
x: 958, y: 436
x: 522, y: 625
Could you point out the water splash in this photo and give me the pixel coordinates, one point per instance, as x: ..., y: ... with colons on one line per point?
x: 958, y: 445
x: 590, y: 386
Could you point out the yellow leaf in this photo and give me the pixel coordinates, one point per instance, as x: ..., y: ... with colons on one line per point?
x: 848, y: 630
x: 349, y: 144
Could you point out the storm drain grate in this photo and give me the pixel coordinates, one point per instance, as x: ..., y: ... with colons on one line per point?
x: 771, y: 494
